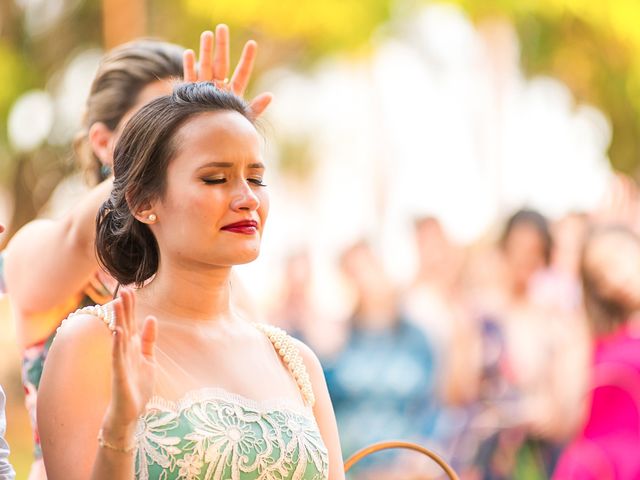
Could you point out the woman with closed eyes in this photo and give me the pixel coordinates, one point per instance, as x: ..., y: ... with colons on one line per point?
x: 66, y: 275
x: 174, y: 383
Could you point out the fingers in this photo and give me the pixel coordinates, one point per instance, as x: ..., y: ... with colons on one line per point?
x: 118, y: 363
x: 205, y: 72
x: 120, y: 316
x: 128, y: 322
x: 148, y: 338
x: 259, y: 104
x: 189, y: 66
x: 221, y: 56
x: 242, y: 73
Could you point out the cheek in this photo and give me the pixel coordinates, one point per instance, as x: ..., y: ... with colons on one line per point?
x: 263, y: 210
x: 194, y: 205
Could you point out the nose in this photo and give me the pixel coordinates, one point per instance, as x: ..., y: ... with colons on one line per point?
x: 244, y: 198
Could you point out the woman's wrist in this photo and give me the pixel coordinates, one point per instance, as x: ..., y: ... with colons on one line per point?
x: 116, y: 434
x: 125, y: 447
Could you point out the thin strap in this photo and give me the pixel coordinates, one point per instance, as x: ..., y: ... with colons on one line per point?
x: 290, y: 355
x: 104, y: 312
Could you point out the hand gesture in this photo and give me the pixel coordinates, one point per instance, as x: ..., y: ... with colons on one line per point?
x: 214, y: 66
x: 621, y: 204
x: 133, y: 363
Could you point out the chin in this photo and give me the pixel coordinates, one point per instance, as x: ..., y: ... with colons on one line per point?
x: 246, y: 257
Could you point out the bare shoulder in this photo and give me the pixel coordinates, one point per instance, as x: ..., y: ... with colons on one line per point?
x: 34, y: 227
x: 83, y: 325
x: 82, y: 336
x: 21, y: 241
x: 74, y: 394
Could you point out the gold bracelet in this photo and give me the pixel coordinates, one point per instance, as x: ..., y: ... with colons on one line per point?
x: 102, y: 443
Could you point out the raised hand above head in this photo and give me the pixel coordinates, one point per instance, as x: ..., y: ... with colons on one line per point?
x: 213, y: 66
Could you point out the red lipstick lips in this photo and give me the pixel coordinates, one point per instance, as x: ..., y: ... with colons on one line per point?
x: 245, y: 227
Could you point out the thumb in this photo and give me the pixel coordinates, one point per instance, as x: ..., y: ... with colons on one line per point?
x: 148, y: 337
x: 259, y: 104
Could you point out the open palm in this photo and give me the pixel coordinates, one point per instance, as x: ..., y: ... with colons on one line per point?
x: 213, y: 66
x: 133, y: 361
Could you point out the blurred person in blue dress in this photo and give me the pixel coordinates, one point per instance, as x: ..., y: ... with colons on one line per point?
x: 382, y: 380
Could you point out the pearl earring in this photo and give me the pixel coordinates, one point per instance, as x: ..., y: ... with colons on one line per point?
x: 152, y: 218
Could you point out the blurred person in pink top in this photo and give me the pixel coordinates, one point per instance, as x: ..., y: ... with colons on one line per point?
x: 608, y: 445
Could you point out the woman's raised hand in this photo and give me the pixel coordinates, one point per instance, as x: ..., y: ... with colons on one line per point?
x: 133, y: 366
x: 213, y: 66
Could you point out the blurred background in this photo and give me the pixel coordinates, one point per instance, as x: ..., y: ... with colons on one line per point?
x: 403, y: 136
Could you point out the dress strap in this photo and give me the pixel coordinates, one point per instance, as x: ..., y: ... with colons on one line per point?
x: 288, y: 351
x: 105, y: 312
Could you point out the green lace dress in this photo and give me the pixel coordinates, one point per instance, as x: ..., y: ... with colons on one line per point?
x: 212, y: 434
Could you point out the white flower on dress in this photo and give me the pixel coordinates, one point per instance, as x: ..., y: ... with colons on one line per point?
x: 153, y: 444
x: 190, y: 466
x: 306, y: 441
x: 227, y: 437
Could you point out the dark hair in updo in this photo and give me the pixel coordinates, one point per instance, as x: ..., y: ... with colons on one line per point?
x: 126, y: 247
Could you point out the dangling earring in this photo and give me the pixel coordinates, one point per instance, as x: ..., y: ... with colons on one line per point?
x: 105, y: 172
x: 152, y: 218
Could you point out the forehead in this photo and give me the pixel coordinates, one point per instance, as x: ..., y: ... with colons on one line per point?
x: 150, y: 92
x: 223, y: 134
x: 154, y: 90
x: 525, y: 230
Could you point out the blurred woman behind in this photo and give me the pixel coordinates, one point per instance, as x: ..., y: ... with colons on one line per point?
x: 526, y: 380
x: 608, y: 443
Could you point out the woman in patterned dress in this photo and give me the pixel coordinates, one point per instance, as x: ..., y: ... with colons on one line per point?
x: 66, y: 275
x: 185, y: 387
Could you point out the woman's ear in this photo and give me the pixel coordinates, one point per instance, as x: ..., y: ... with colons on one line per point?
x: 147, y: 216
x: 101, y: 139
x: 145, y: 212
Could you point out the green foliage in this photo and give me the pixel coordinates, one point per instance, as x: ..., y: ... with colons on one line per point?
x: 11, y: 70
x: 320, y: 26
x: 593, y: 47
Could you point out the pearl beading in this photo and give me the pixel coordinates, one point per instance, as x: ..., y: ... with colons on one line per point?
x: 290, y: 354
x: 106, y: 313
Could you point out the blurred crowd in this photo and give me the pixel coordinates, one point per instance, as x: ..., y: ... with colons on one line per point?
x: 488, y: 355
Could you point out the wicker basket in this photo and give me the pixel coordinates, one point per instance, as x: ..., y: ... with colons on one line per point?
x: 376, y: 447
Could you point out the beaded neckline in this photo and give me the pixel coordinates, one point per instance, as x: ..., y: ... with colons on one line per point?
x: 290, y: 354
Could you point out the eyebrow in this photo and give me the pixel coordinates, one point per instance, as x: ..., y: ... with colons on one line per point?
x: 257, y: 165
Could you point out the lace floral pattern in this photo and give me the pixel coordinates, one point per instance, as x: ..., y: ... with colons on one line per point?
x: 214, y: 435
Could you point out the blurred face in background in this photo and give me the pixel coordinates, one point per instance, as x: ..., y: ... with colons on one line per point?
x: 524, y: 253
x: 364, y: 269
x: 611, y: 277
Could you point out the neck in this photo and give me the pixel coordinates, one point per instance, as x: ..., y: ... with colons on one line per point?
x: 181, y: 292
